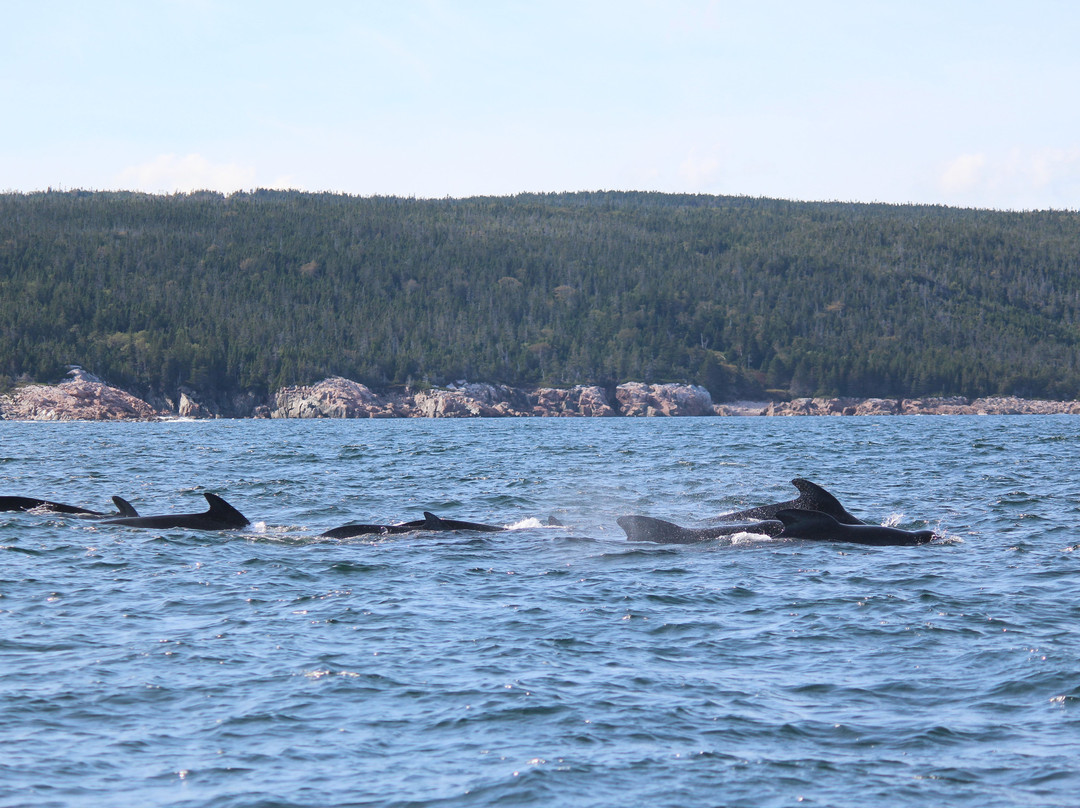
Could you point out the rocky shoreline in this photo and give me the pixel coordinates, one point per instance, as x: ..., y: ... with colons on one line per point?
x: 84, y: 397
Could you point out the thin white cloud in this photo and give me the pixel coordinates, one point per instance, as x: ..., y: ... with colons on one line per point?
x: 192, y: 172
x: 963, y: 174
x: 1053, y: 166
x: 700, y: 170
x: 1031, y: 177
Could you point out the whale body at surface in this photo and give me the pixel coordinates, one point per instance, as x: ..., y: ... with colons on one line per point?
x: 13, y: 503
x: 812, y: 497
x: 429, y: 522
x: 646, y: 528
x: 817, y: 526
x: 219, y: 516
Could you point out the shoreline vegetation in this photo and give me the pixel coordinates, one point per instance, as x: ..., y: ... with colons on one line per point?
x: 85, y: 397
x: 240, y: 297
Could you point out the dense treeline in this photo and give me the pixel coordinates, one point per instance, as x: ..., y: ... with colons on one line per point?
x: 255, y: 291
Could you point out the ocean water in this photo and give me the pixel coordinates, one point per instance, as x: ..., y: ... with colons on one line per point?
x: 543, y: 665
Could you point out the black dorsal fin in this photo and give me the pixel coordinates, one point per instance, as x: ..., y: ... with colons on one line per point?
x: 813, y: 497
x: 432, y: 522
x: 815, y: 494
x: 223, y: 511
x: 124, y: 507
x: 648, y: 528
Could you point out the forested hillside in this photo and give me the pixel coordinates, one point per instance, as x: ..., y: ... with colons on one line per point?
x: 255, y: 291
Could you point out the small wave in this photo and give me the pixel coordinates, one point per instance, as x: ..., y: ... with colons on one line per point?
x: 322, y: 673
x: 350, y: 567
x: 532, y: 523
x: 746, y: 537
x: 944, y: 537
x: 1065, y: 700
x: 286, y: 535
x: 16, y: 549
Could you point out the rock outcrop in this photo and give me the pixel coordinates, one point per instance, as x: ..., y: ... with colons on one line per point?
x: 1011, y: 405
x: 466, y: 400
x: 583, y: 400
x: 637, y: 399
x: 87, y: 398
x: 470, y: 400
x: 334, y: 398
x: 953, y: 405
x: 84, y: 397
x: 341, y: 398
x: 191, y: 403
x: 834, y: 406
x: 190, y: 408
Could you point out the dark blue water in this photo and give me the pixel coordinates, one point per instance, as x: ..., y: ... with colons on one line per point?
x: 541, y: 666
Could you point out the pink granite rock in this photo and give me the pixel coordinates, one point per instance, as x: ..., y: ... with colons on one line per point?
x: 637, y: 399
x: 83, y: 398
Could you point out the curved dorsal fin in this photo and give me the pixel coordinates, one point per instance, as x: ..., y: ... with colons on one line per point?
x: 124, y: 507
x: 648, y: 528
x: 813, y: 497
x: 432, y: 522
x: 223, y: 511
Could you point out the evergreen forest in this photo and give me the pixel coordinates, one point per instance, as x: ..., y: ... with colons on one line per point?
x: 748, y: 297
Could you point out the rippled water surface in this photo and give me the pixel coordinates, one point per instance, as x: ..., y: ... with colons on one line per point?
x: 544, y: 665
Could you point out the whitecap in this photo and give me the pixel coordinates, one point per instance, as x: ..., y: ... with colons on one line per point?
x: 532, y: 523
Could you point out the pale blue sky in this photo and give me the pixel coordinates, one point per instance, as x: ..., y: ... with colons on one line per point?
x: 961, y: 103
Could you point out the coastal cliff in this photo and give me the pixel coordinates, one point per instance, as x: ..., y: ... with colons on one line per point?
x: 85, y: 397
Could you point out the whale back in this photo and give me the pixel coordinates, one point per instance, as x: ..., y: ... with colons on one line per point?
x: 10, y: 503
x: 648, y: 528
x: 801, y: 524
x: 818, y: 526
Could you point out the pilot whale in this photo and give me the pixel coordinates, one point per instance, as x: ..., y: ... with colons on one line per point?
x: 429, y: 522
x: 811, y: 497
x: 646, y: 528
x: 123, y: 507
x: 817, y: 526
x: 220, y: 516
